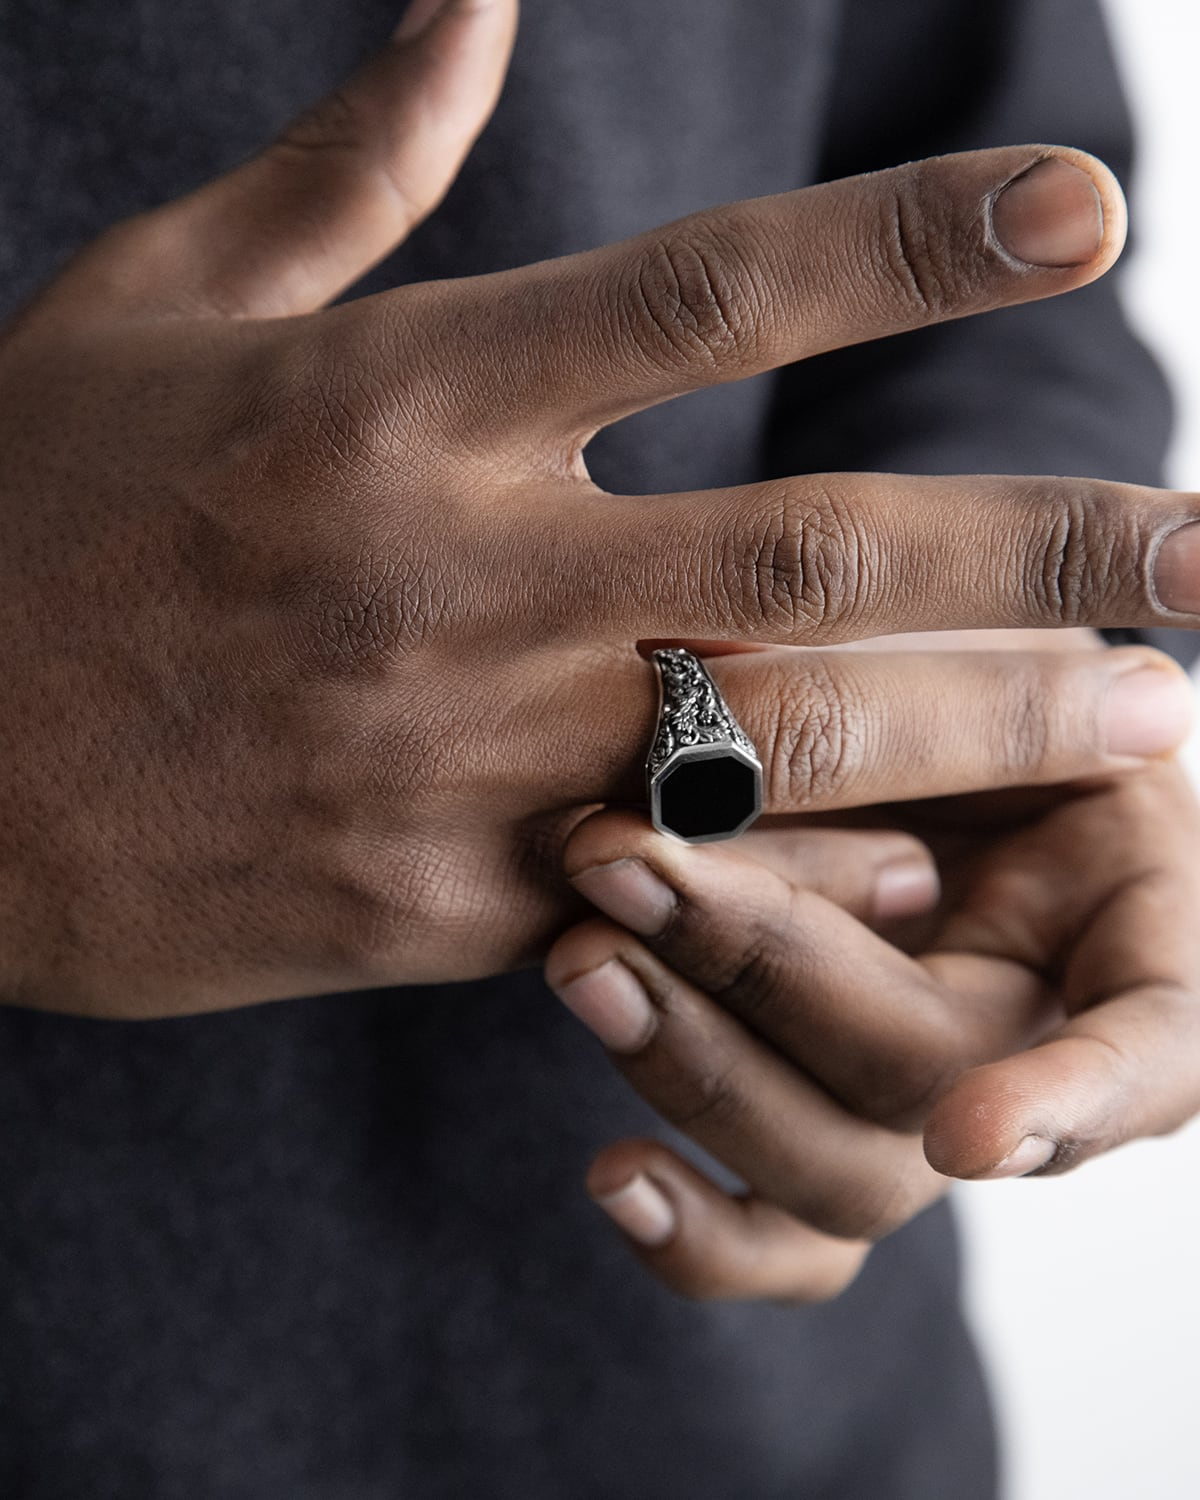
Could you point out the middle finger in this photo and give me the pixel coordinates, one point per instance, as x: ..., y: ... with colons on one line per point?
x: 820, y: 559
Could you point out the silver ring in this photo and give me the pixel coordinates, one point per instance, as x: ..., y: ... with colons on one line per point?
x: 703, y: 776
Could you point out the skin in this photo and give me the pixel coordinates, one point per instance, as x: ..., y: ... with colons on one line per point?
x: 1047, y: 1013
x: 320, y: 640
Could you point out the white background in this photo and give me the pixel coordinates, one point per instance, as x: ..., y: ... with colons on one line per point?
x: 1086, y: 1289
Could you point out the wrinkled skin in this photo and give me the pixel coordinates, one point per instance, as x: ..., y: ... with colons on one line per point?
x: 318, y: 638
x: 1049, y: 1011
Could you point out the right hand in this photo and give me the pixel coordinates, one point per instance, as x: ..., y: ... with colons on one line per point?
x: 1040, y: 1010
x: 318, y: 640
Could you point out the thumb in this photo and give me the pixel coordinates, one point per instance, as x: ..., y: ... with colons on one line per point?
x: 335, y: 192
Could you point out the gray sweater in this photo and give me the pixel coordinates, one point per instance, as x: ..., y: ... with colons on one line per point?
x: 338, y: 1248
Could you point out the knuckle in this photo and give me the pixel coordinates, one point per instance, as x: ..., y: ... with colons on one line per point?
x: 333, y: 123
x: 341, y: 132
x: 1024, y: 727
x: 819, y: 746
x: 706, y: 1098
x: 801, y: 571
x: 1079, y: 556
x: 921, y: 255
x: 693, y: 300
x: 761, y: 972
x: 351, y: 147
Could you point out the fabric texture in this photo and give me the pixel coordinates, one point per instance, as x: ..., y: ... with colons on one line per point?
x: 338, y: 1248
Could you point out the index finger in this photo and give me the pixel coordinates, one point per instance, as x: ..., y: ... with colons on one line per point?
x: 733, y: 291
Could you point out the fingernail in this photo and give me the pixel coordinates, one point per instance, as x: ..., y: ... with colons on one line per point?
x: 905, y: 889
x: 1177, y: 570
x: 1050, y: 216
x: 419, y: 15
x: 1147, y: 712
x: 642, y: 1210
x: 1033, y: 1152
x: 629, y: 892
x: 611, y: 1002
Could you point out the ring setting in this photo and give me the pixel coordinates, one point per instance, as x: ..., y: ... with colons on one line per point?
x: 704, y: 780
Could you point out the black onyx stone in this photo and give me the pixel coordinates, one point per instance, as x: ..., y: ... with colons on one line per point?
x: 701, y: 798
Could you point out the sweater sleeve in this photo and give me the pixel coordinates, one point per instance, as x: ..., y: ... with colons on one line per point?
x: 1055, y: 387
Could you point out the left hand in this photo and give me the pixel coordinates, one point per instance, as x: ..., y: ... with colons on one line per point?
x: 1051, y: 1012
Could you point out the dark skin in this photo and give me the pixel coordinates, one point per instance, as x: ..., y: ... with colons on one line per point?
x: 320, y: 642
x: 1047, y: 1013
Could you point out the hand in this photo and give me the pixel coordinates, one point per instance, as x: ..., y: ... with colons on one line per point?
x: 1049, y: 1014
x: 318, y: 638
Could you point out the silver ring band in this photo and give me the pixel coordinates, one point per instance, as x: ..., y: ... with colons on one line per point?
x: 703, y: 775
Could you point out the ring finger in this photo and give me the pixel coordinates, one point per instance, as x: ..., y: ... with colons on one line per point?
x: 845, y: 729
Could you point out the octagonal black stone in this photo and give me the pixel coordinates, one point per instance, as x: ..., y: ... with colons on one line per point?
x: 701, y: 798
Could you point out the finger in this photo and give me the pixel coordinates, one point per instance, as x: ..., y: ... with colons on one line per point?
x: 887, y: 879
x: 1125, y: 1072
x: 709, y: 1244
x: 736, y: 290
x: 872, y: 1026
x: 1127, y: 1063
x: 333, y: 194
x: 877, y: 877
x: 848, y: 729
x: 838, y: 730
x: 738, y: 1098
x: 822, y: 559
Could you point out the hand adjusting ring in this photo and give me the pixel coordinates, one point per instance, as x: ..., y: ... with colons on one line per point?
x: 703, y: 776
